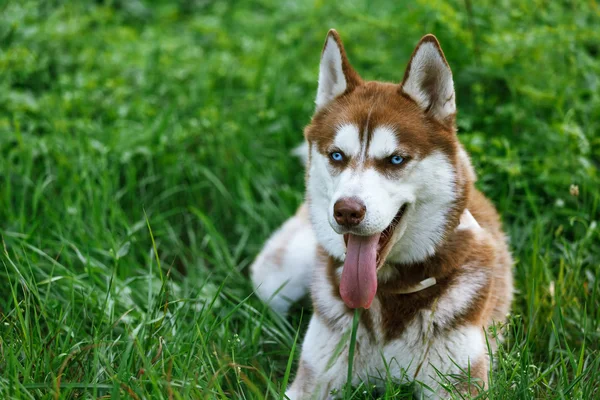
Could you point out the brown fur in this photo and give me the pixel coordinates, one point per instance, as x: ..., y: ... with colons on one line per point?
x: 476, y: 377
x: 375, y: 104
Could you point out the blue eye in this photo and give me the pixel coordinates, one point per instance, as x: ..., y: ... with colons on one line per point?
x: 336, y: 156
x: 396, y: 160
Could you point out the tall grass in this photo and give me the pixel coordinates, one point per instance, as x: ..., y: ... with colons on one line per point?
x: 144, y: 159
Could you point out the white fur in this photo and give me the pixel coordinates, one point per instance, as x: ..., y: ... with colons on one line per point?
x: 318, y: 349
x: 384, y: 143
x: 468, y: 222
x: 328, y: 305
x: 332, y: 81
x: 426, y: 65
x: 416, y: 355
x: 319, y: 192
x: 431, y: 183
x: 301, y: 151
x: 446, y: 354
x: 347, y: 140
x: 381, y: 196
x: 281, y: 283
x: 460, y: 295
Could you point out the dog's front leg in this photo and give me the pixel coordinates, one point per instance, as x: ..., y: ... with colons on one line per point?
x: 320, y: 371
x: 282, y: 271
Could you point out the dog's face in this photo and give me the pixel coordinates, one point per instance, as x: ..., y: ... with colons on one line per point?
x: 385, y: 169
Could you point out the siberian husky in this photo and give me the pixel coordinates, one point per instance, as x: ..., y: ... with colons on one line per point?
x: 392, y: 225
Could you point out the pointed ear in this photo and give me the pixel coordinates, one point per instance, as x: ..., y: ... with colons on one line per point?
x: 336, y: 75
x: 428, y: 81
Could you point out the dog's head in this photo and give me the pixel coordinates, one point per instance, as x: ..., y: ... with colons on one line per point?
x: 387, y: 177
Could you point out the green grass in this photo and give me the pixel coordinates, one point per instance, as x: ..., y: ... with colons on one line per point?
x: 144, y: 159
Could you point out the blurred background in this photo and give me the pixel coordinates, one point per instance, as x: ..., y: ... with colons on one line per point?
x: 145, y: 157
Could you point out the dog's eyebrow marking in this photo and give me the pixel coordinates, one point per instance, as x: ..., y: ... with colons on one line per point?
x: 383, y: 143
x: 347, y: 140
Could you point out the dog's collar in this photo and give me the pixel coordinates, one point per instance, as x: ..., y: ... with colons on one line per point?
x: 424, y: 284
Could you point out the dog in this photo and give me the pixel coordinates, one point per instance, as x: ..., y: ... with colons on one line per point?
x: 392, y: 225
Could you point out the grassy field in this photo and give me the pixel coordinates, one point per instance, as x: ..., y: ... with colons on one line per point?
x: 144, y: 159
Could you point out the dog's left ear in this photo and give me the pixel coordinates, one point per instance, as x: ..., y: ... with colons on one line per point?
x: 336, y: 75
x: 428, y: 81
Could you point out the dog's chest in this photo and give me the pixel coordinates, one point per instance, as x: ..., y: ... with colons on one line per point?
x: 417, y: 351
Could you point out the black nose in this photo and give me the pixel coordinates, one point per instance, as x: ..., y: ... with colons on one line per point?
x: 349, y: 211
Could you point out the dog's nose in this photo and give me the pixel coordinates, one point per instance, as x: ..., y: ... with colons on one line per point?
x: 349, y: 211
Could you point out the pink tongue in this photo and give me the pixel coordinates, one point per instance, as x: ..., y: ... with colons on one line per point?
x: 359, y: 277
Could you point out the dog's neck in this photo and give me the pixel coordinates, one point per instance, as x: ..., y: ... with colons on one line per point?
x: 408, y: 278
x: 466, y: 223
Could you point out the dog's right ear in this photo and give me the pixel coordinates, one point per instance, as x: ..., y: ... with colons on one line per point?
x: 336, y: 75
x: 428, y: 81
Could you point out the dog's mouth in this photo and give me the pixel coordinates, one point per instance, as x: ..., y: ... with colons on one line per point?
x: 364, y: 256
x: 385, y: 237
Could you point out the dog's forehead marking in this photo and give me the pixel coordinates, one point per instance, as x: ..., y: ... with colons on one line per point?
x: 383, y: 142
x: 347, y: 139
x: 365, y: 136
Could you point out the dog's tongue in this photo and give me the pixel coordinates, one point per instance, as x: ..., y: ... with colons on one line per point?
x: 359, y: 277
